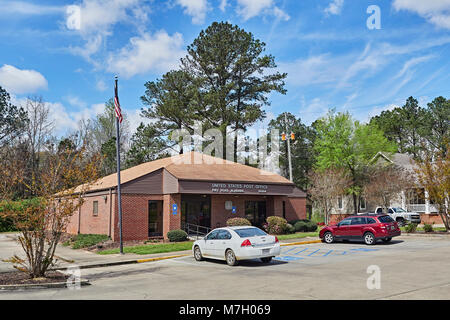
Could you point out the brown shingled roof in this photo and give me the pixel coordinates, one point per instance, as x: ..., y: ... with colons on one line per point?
x: 193, y: 166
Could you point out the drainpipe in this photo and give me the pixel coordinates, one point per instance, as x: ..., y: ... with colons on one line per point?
x: 79, y: 216
x: 110, y: 212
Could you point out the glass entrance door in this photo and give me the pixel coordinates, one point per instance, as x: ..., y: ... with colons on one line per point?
x: 196, y: 209
x: 255, y: 212
x: 155, y: 218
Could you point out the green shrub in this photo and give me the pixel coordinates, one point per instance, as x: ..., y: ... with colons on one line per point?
x: 276, y: 225
x: 428, y: 227
x: 317, y: 217
x: 86, y: 240
x: 305, y: 226
x: 233, y: 222
x: 177, y: 235
x: 18, y: 207
x: 290, y: 228
x: 300, y: 226
x: 412, y: 227
x: 311, y: 226
x: 6, y: 225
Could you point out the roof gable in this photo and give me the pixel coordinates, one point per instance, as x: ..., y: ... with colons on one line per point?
x: 192, y: 166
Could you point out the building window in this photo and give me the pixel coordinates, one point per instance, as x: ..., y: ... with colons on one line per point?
x: 284, y: 209
x: 95, y: 208
x: 340, y: 203
x: 362, y: 203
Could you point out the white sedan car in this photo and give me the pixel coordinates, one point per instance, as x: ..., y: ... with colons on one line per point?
x: 237, y: 243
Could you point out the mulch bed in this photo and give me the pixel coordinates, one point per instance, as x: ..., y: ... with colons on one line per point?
x: 19, y: 277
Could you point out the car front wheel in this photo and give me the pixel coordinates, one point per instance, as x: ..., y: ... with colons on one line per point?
x: 369, y: 238
x: 386, y: 240
x: 198, y: 254
x: 328, y: 237
x: 231, y: 258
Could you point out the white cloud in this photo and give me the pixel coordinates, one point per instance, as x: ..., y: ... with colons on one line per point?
x: 195, y: 8
x: 158, y: 52
x: 435, y: 11
x: 412, y: 62
x: 316, y: 69
x: 66, y: 120
x: 280, y: 14
x: 134, y: 119
x: 97, y: 18
x: 335, y: 7
x: 223, y: 5
x: 76, y: 101
x: 310, y: 111
x: 27, y: 8
x: 101, y: 85
x: 252, y: 8
x: 19, y: 81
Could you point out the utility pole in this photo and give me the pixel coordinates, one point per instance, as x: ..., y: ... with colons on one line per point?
x: 289, y: 147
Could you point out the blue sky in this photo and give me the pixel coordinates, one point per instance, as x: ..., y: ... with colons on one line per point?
x: 332, y: 58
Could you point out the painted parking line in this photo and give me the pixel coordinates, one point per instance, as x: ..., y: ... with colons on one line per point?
x: 288, y: 258
x: 306, y: 253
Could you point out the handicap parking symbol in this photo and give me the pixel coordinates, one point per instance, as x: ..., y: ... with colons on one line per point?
x: 287, y: 258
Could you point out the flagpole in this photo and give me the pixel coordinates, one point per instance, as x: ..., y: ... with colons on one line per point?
x: 119, y: 196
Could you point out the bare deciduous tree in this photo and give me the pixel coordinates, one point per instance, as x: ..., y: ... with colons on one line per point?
x: 326, y: 186
x: 434, y: 176
x: 384, y: 182
x: 42, y: 220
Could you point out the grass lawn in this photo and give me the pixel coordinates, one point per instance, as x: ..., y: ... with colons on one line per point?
x: 85, y: 240
x: 152, y: 248
x: 298, y: 235
x: 439, y: 229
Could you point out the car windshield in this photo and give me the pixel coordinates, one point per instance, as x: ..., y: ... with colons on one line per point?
x: 385, y: 219
x: 398, y: 210
x: 249, y: 232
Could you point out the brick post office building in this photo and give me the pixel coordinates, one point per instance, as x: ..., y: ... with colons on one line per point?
x: 183, y: 191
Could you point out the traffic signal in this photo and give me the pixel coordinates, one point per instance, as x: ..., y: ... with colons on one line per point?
x: 283, y: 136
x: 292, y: 136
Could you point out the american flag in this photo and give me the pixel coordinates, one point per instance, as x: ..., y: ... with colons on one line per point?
x: 117, y: 104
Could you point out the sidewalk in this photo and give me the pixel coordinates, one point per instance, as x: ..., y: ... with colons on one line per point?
x: 86, y: 259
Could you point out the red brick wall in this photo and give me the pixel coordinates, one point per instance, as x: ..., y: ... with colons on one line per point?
x: 335, y: 218
x: 135, y: 213
x: 295, y: 207
x: 134, y: 216
x: 89, y: 223
x: 425, y: 218
x: 431, y: 218
x: 171, y: 221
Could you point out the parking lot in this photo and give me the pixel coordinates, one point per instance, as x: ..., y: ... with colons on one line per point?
x: 411, y: 268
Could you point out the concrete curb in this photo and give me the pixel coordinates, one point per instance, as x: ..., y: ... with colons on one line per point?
x: 118, y: 263
x: 427, y: 235
x: 299, y: 243
x: 54, y: 285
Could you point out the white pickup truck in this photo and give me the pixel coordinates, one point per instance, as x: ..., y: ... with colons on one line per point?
x: 400, y: 215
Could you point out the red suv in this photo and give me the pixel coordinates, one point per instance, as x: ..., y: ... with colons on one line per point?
x: 369, y: 228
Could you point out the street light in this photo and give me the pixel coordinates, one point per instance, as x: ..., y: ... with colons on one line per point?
x: 292, y: 137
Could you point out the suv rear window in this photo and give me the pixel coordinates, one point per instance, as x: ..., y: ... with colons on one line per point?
x: 385, y: 219
x: 249, y: 232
